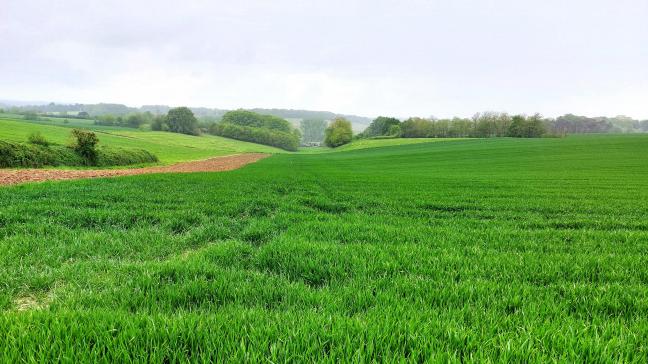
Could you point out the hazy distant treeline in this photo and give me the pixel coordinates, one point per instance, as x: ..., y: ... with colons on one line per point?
x: 204, y: 113
x: 495, y: 124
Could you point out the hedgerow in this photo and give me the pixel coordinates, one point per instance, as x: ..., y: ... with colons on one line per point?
x: 20, y: 155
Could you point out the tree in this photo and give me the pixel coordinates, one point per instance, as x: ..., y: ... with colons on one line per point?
x: 395, y: 130
x: 182, y: 120
x: 313, y: 131
x: 257, y: 128
x: 380, y: 126
x: 527, y: 127
x: 159, y: 123
x: 517, y: 127
x: 255, y: 120
x: 535, y: 127
x: 416, y: 128
x: 83, y: 115
x: 643, y: 125
x: 85, y: 143
x: 338, y: 133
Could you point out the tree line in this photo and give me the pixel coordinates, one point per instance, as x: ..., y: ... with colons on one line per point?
x: 258, y: 128
x: 494, y: 124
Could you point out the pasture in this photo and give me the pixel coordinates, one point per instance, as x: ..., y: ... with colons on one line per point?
x: 525, y: 250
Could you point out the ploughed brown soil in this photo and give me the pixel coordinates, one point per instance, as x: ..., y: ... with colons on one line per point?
x: 218, y: 164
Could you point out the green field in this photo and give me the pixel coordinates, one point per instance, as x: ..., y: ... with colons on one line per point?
x: 374, y: 143
x: 168, y: 147
x: 524, y: 250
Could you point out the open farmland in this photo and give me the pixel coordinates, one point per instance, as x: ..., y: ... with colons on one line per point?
x: 168, y: 147
x: 523, y: 250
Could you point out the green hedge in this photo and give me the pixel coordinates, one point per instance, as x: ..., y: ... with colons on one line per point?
x: 34, y: 156
x: 123, y: 157
x: 275, y: 138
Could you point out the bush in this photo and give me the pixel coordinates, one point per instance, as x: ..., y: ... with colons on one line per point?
x: 85, y: 144
x: 123, y: 157
x: 30, y: 115
x: 38, y: 139
x: 338, y: 133
x: 283, y: 140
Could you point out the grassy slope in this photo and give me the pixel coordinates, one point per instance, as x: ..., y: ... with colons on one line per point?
x: 168, y: 147
x: 499, y: 249
x: 374, y: 143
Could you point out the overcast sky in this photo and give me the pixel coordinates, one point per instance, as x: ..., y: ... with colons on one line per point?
x: 369, y: 57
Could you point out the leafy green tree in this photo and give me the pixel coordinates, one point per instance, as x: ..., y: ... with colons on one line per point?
x: 338, y: 133
x: 275, y: 138
x: 257, y: 128
x: 517, y: 129
x: 380, y: 126
x: 416, y: 128
x: 85, y: 144
x: 182, y: 120
x: 159, y: 123
x: 252, y: 119
x: 527, y: 127
x: 394, y: 130
x: 535, y: 127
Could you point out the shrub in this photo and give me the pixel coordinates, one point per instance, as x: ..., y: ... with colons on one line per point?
x: 338, y: 133
x: 123, y: 157
x: 85, y: 144
x: 38, y: 139
x: 30, y: 115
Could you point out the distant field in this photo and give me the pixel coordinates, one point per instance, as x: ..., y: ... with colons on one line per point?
x: 481, y: 250
x: 168, y: 147
x: 375, y: 143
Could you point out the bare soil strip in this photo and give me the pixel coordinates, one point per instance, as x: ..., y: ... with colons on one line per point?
x: 218, y: 164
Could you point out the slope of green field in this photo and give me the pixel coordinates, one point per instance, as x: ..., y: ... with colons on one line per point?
x: 491, y: 250
x: 168, y: 147
x: 374, y: 143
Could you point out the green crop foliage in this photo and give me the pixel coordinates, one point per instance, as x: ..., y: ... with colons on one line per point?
x: 491, y: 250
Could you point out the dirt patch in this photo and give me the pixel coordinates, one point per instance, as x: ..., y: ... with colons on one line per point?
x: 16, y: 176
x: 28, y: 303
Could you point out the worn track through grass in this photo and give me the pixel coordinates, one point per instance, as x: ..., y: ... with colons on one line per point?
x: 16, y: 176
